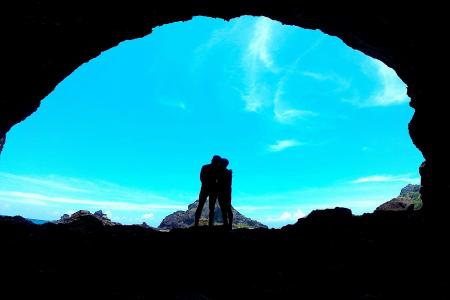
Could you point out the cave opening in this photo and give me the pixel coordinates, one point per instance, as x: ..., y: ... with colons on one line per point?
x: 306, y: 121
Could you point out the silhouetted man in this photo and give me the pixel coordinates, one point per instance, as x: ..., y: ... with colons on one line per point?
x: 224, y: 187
x: 208, y: 177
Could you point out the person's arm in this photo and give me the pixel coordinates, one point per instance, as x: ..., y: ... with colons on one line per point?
x: 202, y: 174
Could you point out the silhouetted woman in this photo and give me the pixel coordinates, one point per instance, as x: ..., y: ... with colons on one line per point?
x: 224, y: 196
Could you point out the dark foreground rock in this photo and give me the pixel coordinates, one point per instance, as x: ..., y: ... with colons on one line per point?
x: 2, y: 142
x: 184, y: 219
x: 327, y: 255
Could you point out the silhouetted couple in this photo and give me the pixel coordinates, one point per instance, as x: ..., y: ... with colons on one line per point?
x: 216, y: 185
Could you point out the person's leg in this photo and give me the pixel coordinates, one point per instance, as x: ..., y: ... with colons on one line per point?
x: 212, y: 207
x: 201, y: 202
x: 229, y: 211
x: 223, y: 209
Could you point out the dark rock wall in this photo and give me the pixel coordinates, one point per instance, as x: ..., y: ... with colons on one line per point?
x: 2, y: 142
x: 45, y: 41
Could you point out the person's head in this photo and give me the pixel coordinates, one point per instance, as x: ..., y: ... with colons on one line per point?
x: 224, y: 162
x: 216, y: 160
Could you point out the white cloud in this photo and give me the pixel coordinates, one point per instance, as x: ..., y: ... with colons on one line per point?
x: 287, y: 216
x: 392, y: 90
x: 342, y: 83
x: 77, y: 188
x: 52, y: 182
x: 283, y: 144
x: 284, y: 216
x: 258, y: 48
x: 74, y: 194
x: 253, y: 99
x: 285, y: 114
x: 28, y: 201
x: 315, y: 75
x: 148, y: 216
x: 256, y: 59
x: 387, y: 178
x: 56, y: 193
x: 175, y: 104
x: 40, y: 199
x: 218, y: 36
x: 289, y: 115
x: 299, y: 214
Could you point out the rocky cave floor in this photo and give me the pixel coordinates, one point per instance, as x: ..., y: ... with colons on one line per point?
x: 329, y: 255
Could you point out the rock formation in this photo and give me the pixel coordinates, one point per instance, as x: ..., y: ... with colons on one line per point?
x: 409, y: 199
x: 183, y: 219
x: 85, y: 217
x: 339, y: 213
x: 13, y: 221
x: 145, y: 225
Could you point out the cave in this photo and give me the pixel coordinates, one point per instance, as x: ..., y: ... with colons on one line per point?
x: 47, y: 42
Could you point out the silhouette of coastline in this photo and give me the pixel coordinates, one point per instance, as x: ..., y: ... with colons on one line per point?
x: 330, y: 254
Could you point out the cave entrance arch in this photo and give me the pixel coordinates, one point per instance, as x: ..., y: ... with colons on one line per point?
x: 64, y: 38
x: 304, y: 90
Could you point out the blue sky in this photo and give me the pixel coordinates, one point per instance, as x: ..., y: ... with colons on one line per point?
x: 305, y: 121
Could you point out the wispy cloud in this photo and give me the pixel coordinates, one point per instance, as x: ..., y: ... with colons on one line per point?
x: 293, y: 66
x: 256, y: 96
x: 288, y: 115
x: 218, y: 36
x: 50, y: 182
x: 148, y: 216
x: 315, y: 75
x: 254, y: 37
x: 387, y: 178
x: 258, y: 48
x: 283, y: 145
x: 175, y: 104
x: 360, y: 197
x: 256, y: 59
x: 341, y: 82
x: 72, y: 193
x: 44, y: 200
x: 392, y: 90
x: 283, y: 113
